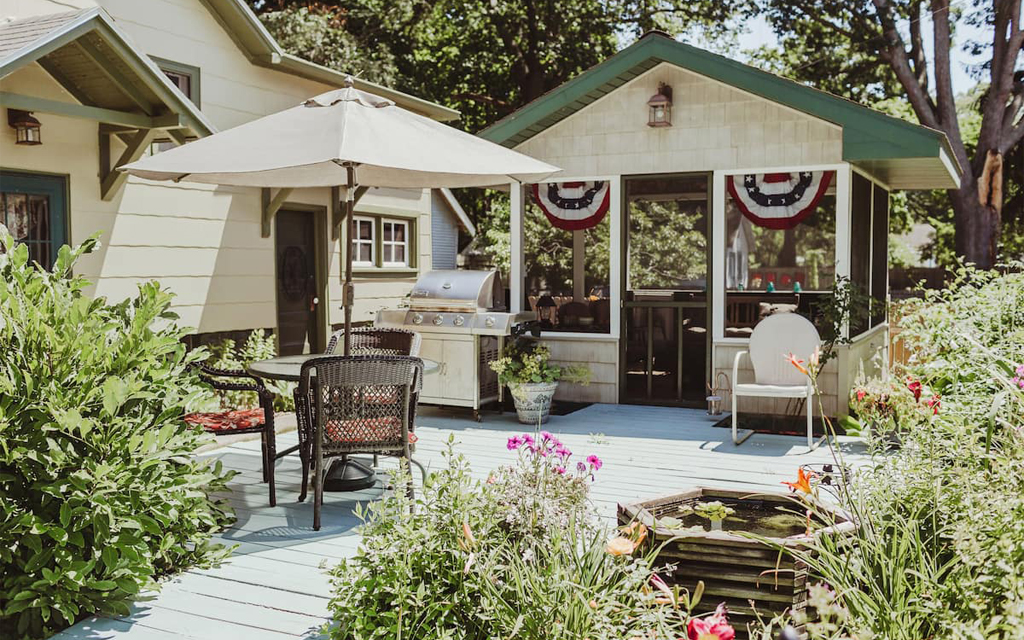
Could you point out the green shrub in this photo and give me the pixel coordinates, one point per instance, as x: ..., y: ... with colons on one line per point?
x: 482, y: 560
x: 940, y: 550
x: 99, y: 494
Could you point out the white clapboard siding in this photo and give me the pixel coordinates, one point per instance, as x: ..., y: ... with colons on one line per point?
x: 714, y: 126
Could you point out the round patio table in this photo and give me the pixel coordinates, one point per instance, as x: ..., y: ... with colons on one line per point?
x: 346, y: 474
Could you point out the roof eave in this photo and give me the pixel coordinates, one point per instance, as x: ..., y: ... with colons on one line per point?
x: 262, y: 49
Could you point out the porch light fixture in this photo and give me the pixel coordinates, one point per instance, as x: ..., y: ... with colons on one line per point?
x: 659, y: 107
x: 26, y: 128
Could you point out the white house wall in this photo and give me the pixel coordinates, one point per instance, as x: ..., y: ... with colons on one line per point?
x: 201, y: 241
x: 714, y: 126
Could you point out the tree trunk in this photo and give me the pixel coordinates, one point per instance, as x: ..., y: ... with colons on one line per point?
x: 976, y: 225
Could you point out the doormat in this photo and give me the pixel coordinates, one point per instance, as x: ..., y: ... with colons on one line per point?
x: 558, y: 407
x: 778, y: 425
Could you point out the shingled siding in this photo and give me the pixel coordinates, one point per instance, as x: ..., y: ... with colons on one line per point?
x: 444, y: 232
x: 714, y: 126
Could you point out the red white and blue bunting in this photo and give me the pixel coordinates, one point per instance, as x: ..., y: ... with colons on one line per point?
x: 573, y: 205
x: 779, y: 200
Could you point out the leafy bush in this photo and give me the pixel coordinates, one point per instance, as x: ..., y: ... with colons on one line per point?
x: 481, y: 560
x: 940, y: 550
x: 98, y: 492
x: 259, y: 345
x: 527, y: 361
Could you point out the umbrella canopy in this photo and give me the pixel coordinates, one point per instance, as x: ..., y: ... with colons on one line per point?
x: 310, y: 144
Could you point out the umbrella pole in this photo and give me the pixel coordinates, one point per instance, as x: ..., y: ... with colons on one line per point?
x: 348, y: 294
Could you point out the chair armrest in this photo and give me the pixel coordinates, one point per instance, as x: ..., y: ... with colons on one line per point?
x: 736, y: 368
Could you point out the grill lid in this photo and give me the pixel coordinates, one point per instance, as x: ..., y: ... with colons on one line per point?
x: 458, y: 289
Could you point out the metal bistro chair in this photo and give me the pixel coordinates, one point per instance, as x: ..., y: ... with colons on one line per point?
x: 373, y: 341
x: 773, y: 339
x: 357, y: 404
x: 240, y: 421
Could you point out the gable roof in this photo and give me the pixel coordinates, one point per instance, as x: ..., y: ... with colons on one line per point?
x: 904, y: 154
x: 459, y: 212
x: 89, y: 55
x: 255, y: 41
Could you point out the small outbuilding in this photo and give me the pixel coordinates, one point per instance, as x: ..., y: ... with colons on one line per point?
x: 698, y: 196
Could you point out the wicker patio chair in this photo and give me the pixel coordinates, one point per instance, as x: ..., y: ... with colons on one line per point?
x: 373, y: 341
x: 366, y: 341
x: 358, y: 404
x: 239, y: 421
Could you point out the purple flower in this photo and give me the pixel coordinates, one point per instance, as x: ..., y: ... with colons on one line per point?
x: 514, y: 443
x: 562, y: 452
x: 594, y: 462
x: 582, y: 468
x: 560, y: 470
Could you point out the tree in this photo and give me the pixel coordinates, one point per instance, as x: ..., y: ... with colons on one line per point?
x: 839, y: 39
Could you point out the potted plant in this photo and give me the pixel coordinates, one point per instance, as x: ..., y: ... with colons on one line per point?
x: 525, y: 367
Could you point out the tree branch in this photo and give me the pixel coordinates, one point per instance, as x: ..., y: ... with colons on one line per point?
x: 943, y: 76
x: 917, y: 45
x: 895, y: 53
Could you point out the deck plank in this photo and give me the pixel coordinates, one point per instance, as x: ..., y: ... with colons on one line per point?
x: 275, y: 584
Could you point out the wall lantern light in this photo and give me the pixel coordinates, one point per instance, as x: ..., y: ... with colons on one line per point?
x: 660, y: 107
x: 26, y: 128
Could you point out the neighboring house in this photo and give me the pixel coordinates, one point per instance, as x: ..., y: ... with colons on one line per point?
x: 113, y: 80
x: 699, y: 195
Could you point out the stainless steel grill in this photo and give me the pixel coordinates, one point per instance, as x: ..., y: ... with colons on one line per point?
x: 462, y: 320
x: 451, y: 301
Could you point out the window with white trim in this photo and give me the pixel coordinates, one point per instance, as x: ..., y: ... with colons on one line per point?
x: 395, y: 243
x: 363, y: 243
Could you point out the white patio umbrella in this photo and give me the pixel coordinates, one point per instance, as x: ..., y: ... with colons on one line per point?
x: 344, y: 137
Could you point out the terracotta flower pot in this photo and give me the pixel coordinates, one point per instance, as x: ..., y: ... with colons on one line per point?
x: 533, y: 400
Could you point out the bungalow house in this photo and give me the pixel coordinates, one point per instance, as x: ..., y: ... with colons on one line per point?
x: 698, y: 196
x: 86, y: 86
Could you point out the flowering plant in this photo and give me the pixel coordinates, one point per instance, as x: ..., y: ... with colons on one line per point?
x: 526, y: 361
x: 543, y: 492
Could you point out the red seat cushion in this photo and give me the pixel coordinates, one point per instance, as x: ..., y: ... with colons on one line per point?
x: 221, y: 421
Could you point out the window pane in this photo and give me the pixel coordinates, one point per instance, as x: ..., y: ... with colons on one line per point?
x: 399, y: 232
x: 388, y: 231
x: 364, y: 229
x: 880, y: 256
x: 549, y: 280
x: 399, y: 253
x: 17, y: 215
x: 860, y: 252
x: 771, y: 270
x: 365, y: 253
x: 668, y: 233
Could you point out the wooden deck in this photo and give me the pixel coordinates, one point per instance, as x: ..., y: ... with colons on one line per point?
x: 274, y: 586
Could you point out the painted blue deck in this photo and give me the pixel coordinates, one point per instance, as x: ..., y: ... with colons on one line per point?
x: 274, y: 586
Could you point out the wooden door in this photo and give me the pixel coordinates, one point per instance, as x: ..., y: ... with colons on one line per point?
x: 297, y: 288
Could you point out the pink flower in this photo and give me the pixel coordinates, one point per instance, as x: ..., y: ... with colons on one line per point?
x: 514, y: 443
x: 934, y: 403
x: 715, y: 627
x: 861, y: 393
x: 560, y: 470
x: 562, y: 452
x: 594, y: 462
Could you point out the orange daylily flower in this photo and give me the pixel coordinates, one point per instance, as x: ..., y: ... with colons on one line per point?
x: 803, y: 482
x: 796, y: 362
x: 636, y: 532
x: 620, y: 546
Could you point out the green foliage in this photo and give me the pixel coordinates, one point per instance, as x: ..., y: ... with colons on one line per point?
x: 939, y: 552
x: 527, y: 361
x: 99, y: 494
x: 259, y: 345
x: 466, y: 565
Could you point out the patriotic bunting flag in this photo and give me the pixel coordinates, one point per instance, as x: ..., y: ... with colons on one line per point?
x: 779, y: 200
x: 573, y: 205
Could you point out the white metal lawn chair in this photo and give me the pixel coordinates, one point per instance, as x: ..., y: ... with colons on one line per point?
x: 773, y: 339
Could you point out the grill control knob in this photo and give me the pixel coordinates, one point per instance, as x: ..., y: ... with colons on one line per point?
x: 489, y: 322
x: 417, y: 318
x: 459, y: 321
x: 438, y: 319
